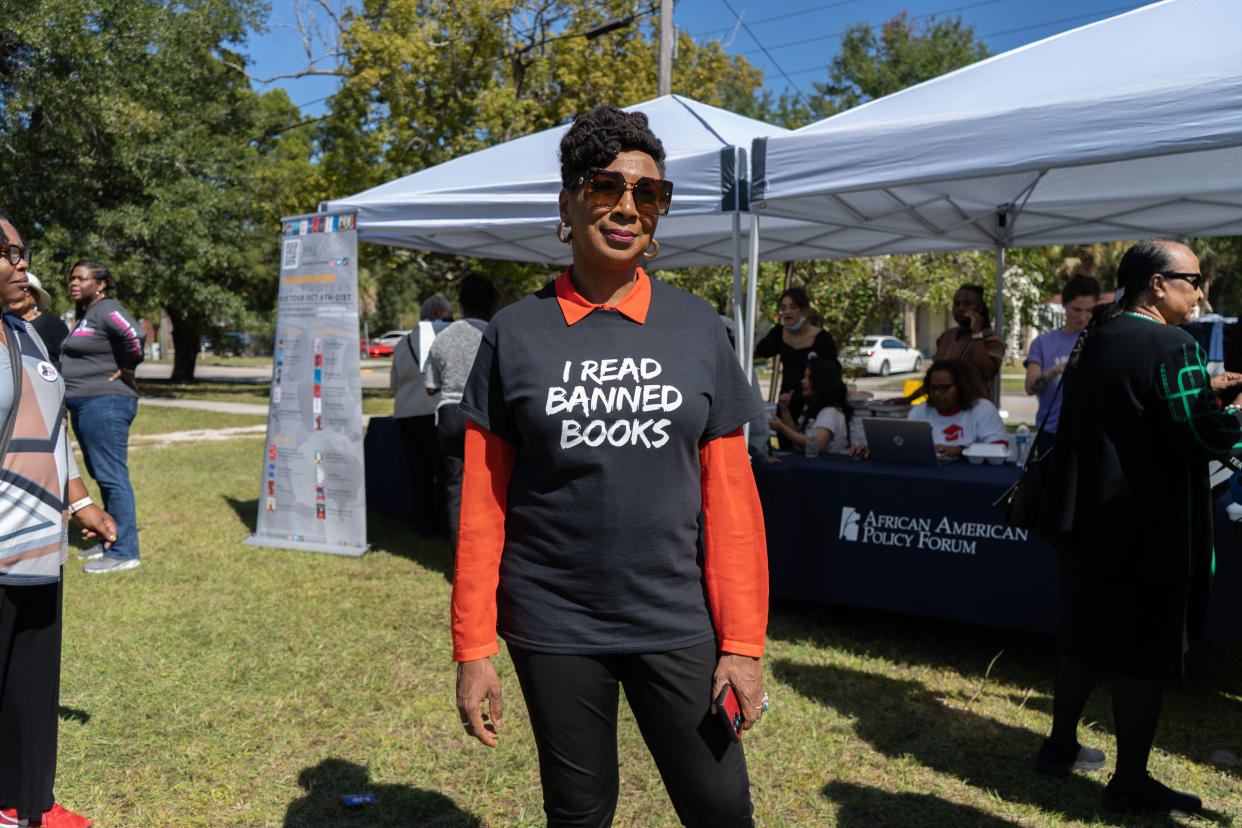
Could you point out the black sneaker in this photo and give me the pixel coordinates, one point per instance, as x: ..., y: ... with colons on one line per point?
x: 1150, y: 796
x: 1054, y: 760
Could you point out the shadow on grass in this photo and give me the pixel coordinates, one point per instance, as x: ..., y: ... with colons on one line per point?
x: 398, y: 537
x: 73, y: 714
x: 903, y: 718
x: 239, y: 386
x: 866, y: 807
x: 247, y: 511
x: 1193, y: 706
x: 399, y: 806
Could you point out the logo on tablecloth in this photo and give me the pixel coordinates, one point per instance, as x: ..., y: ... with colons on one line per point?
x: 849, y: 524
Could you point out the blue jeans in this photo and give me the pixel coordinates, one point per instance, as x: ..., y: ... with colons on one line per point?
x: 101, y: 425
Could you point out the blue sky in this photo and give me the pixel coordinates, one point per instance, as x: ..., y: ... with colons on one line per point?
x: 791, y: 40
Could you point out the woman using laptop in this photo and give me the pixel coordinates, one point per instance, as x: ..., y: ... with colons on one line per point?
x: 958, y: 409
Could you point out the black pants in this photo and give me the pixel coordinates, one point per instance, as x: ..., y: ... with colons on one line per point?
x: 424, y: 471
x: 29, y: 696
x: 451, y: 434
x: 573, y: 700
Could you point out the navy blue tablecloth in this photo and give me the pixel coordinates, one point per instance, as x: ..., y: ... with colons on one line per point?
x: 926, y: 540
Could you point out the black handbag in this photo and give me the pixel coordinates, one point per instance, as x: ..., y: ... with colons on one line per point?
x: 1023, y: 502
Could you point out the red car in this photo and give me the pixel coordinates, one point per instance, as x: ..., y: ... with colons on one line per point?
x: 368, y: 348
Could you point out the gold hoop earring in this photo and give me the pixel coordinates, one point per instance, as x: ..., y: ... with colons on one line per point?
x: 649, y: 253
x: 561, y: 235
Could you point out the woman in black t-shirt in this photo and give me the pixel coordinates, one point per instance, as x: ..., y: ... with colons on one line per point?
x: 794, y: 339
x: 605, y: 413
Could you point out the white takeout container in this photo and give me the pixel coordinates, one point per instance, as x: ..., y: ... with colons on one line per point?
x: 992, y: 453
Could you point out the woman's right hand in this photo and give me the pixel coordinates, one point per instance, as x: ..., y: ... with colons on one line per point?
x: 477, y: 681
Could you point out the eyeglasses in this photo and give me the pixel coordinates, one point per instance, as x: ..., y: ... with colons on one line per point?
x: 16, y: 254
x: 941, y: 389
x: 1193, y: 278
x: 606, y: 187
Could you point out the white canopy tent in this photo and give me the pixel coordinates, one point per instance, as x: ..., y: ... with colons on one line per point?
x: 501, y: 202
x: 1123, y: 129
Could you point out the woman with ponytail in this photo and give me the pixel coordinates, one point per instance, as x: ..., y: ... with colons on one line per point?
x: 1140, y: 420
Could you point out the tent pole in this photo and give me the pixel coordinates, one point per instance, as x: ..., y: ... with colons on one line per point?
x: 752, y: 285
x: 739, y: 316
x: 999, y: 324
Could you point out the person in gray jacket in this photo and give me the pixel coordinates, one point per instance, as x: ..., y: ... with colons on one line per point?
x: 98, y: 361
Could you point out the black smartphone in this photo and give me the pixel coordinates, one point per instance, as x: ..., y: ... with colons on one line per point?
x: 730, y: 712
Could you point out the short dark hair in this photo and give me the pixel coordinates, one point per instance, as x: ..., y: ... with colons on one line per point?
x: 970, y: 387
x: 1139, y: 264
x: 477, y: 296
x: 799, y: 297
x: 98, y: 272
x: 599, y: 136
x: 983, y: 305
x: 1080, y: 285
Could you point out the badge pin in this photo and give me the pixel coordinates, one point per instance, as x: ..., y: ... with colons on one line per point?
x: 48, y: 371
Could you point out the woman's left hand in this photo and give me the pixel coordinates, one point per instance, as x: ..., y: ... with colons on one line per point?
x: 126, y: 375
x: 96, y: 523
x: 746, y: 676
x: 1225, y: 381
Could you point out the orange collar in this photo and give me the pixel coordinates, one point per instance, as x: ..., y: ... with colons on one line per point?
x: 576, y: 308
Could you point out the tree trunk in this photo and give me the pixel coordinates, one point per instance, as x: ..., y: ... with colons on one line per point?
x: 186, y: 338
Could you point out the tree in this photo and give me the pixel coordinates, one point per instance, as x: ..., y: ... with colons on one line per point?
x: 873, y: 64
x: 424, y: 81
x: 129, y: 138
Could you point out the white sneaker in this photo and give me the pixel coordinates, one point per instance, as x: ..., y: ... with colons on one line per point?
x: 108, y: 564
x: 91, y: 553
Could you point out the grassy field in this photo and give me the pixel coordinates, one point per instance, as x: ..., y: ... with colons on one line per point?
x: 223, y: 684
x: 375, y: 401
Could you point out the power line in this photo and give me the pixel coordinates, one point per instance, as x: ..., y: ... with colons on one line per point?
x: 760, y: 45
x: 1043, y: 24
x: 844, y: 3
x: 835, y: 35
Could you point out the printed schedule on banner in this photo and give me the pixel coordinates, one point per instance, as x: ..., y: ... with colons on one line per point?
x: 313, y: 494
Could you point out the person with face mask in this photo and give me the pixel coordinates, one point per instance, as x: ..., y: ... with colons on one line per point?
x: 793, y: 339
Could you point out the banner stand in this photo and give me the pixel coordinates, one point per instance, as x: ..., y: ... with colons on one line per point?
x: 312, y: 493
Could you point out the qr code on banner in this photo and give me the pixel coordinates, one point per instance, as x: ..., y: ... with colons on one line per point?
x: 293, y: 253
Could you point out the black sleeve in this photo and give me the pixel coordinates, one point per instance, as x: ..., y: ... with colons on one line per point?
x: 125, y: 335
x: 483, y: 399
x: 770, y: 345
x: 734, y: 401
x: 825, y: 345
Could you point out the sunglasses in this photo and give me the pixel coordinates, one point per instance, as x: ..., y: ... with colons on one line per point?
x: 16, y: 254
x: 606, y: 187
x: 1193, y: 278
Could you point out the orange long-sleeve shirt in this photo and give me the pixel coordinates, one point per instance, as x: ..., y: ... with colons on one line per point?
x: 735, y: 561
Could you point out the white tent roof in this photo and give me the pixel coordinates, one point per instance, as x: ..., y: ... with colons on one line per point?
x: 1127, y: 128
x: 500, y: 202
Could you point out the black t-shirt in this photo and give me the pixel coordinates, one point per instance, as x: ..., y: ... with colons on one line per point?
x: 601, y: 546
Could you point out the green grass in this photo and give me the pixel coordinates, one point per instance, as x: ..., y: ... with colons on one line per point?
x: 223, y: 684
x: 375, y: 401
x: 156, y: 419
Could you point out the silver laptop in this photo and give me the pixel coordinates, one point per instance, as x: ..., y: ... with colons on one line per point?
x: 902, y: 441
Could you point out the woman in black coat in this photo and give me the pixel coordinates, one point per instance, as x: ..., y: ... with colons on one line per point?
x: 1140, y: 420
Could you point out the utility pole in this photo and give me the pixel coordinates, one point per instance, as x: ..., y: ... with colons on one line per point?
x: 664, y: 85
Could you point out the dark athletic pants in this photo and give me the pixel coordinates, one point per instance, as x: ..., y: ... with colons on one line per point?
x: 573, y: 700
x: 29, y: 696
x: 422, y: 463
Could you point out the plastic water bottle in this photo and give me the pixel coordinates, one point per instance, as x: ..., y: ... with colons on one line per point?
x: 812, y: 441
x: 1023, y: 441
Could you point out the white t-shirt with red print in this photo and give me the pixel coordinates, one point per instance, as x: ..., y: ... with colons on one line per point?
x: 981, y: 423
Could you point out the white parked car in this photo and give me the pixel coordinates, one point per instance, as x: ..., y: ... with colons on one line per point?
x: 883, y: 355
x: 391, y: 338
